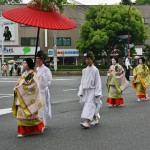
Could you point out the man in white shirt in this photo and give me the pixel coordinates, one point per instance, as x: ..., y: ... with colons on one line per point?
x: 128, y: 67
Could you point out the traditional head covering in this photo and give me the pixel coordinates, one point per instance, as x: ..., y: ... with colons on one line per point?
x: 90, y: 55
x: 29, y: 62
x: 41, y: 54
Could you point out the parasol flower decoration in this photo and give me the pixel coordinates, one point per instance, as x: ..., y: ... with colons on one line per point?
x: 48, y: 5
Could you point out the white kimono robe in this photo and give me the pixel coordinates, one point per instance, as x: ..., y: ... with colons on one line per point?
x: 90, y: 87
x: 45, y: 78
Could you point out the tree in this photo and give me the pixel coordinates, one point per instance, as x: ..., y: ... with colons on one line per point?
x: 143, y: 2
x: 146, y: 51
x: 104, y: 24
x: 126, y: 2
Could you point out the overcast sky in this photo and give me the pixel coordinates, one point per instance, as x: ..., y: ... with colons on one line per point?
x: 92, y: 2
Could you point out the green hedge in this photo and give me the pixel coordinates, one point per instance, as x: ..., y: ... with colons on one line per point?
x: 74, y: 68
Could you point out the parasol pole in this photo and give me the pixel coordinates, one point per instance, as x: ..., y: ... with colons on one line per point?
x: 37, y: 41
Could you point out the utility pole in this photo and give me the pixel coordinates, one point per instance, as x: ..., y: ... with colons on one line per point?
x: 55, y: 52
x: 128, y: 30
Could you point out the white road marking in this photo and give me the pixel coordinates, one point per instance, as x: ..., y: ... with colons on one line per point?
x: 6, y: 94
x: 5, y: 111
x: 9, y: 78
x: 7, y: 81
x: 69, y: 90
x: 63, y: 79
x: 11, y: 81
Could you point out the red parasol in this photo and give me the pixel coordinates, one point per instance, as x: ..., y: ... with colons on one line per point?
x: 36, y: 15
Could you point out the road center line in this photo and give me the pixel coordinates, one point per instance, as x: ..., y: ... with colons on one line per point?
x: 69, y: 90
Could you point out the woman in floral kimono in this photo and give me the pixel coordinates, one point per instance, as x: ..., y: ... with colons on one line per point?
x: 141, y: 79
x: 27, y: 101
x: 116, y: 83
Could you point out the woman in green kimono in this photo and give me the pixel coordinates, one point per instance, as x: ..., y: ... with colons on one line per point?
x: 141, y: 79
x: 27, y: 101
x: 116, y: 84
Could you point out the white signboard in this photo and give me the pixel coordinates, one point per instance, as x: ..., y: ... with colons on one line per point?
x: 9, y: 32
x: 64, y: 53
x: 13, y: 51
x: 139, y: 51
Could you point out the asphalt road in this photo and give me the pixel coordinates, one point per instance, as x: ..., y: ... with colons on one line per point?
x: 121, y: 128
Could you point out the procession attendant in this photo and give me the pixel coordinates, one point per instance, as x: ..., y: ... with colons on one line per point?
x: 90, y: 92
x: 27, y: 102
x: 116, y: 84
x: 128, y: 67
x: 141, y: 79
x: 45, y: 78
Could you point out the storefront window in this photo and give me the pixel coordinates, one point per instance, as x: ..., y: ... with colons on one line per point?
x: 63, y: 41
x: 28, y: 41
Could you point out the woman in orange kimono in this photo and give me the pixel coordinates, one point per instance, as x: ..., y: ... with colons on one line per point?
x: 27, y: 102
x: 141, y: 79
x: 116, y: 84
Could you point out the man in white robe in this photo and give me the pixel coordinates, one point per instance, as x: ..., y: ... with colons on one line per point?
x: 45, y: 78
x: 90, y: 92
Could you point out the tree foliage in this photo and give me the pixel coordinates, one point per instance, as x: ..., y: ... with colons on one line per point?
x: 146, y: 51
x: 126, y: 2
x: 103, y: 25
x: 143, y: 2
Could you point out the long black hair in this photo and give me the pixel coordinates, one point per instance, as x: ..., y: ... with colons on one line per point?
x: 117, y: 61
x: 29, y: 62
x: 142, y: 58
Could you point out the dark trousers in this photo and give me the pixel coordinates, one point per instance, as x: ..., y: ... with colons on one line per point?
x: 127, y: 74
x: 11, y: 71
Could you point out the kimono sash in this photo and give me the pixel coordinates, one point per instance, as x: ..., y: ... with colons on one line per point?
x: 28, y: 95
